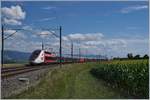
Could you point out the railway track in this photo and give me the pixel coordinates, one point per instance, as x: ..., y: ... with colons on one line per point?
x: 9, y: 72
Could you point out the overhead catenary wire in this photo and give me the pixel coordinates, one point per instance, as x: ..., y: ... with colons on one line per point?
x: 9, y: 35
x: 17, y: 29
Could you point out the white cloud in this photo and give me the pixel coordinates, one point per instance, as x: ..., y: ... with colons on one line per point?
x: 20, y: 35
x: 116, y: 42
x: 134, y: 8
x: 14, y: 12
x: 48, y: 8
x: 27, y: 28
x: 94, y: 43
x: 9, y: 31
x: 76, y: 37
x: 13, y: 15
x: 137, y: 40
x: 94, y: 40
x: 47, y: 19
x: 23, y: 45
x: 12, y: 21
x: 85, y: 37
x: 65, y: 38
x: 44, y: 34
x: 17, y: 36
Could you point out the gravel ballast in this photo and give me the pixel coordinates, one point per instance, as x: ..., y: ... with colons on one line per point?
x: 17, y: 84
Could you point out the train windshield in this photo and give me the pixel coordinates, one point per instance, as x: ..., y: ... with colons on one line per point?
x: 35, y: 54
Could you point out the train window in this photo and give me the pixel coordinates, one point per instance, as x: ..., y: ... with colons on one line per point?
x: 35, y: 54
x: 50, y: 58
x: 47, y: 52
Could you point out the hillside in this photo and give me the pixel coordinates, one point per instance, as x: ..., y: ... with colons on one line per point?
x: 15, y: 56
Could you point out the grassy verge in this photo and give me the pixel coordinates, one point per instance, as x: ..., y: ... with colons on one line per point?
x: 14, y: 65
x: 70, y: 81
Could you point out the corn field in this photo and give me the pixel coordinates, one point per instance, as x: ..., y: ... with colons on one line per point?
x: 131, y: 76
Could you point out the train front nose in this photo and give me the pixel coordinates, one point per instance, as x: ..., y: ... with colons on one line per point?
x: 35, y: 57
x: 31, y: 61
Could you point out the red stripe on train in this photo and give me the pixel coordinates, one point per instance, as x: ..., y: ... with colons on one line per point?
x: 48, y: 61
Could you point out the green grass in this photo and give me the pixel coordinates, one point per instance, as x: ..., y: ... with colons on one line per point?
x: 70, y: 81
x: 14, y: 65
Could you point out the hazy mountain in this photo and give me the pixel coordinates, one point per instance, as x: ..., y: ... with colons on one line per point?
x: 15, y: 56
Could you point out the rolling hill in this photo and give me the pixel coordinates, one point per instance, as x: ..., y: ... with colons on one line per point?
x: 15, y: 56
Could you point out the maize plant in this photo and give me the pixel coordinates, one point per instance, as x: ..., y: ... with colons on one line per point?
x: 131, y: 76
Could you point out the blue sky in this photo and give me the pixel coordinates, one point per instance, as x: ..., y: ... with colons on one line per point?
x: 112, y: 28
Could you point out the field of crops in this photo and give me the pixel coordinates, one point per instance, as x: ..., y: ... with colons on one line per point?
x: 131, y: 76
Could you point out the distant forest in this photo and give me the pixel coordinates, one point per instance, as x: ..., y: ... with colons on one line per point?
x: 130, y: 56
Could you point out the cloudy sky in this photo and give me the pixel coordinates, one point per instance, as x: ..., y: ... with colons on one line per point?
x: 106, y: 28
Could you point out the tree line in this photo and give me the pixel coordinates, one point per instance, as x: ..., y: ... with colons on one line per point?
x: 130, y: 56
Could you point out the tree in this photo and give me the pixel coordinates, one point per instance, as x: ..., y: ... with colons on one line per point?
x: 145, y: 56
x: 137, y: 56
x: 130, y: 56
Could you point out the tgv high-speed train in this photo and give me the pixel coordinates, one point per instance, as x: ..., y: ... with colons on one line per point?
x: 42, y: 56
x: 45, y: 57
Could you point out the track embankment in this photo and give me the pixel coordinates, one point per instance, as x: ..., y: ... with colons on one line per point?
x: 18, y: 80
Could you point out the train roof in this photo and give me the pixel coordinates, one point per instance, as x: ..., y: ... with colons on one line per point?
x: 48, y: 52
